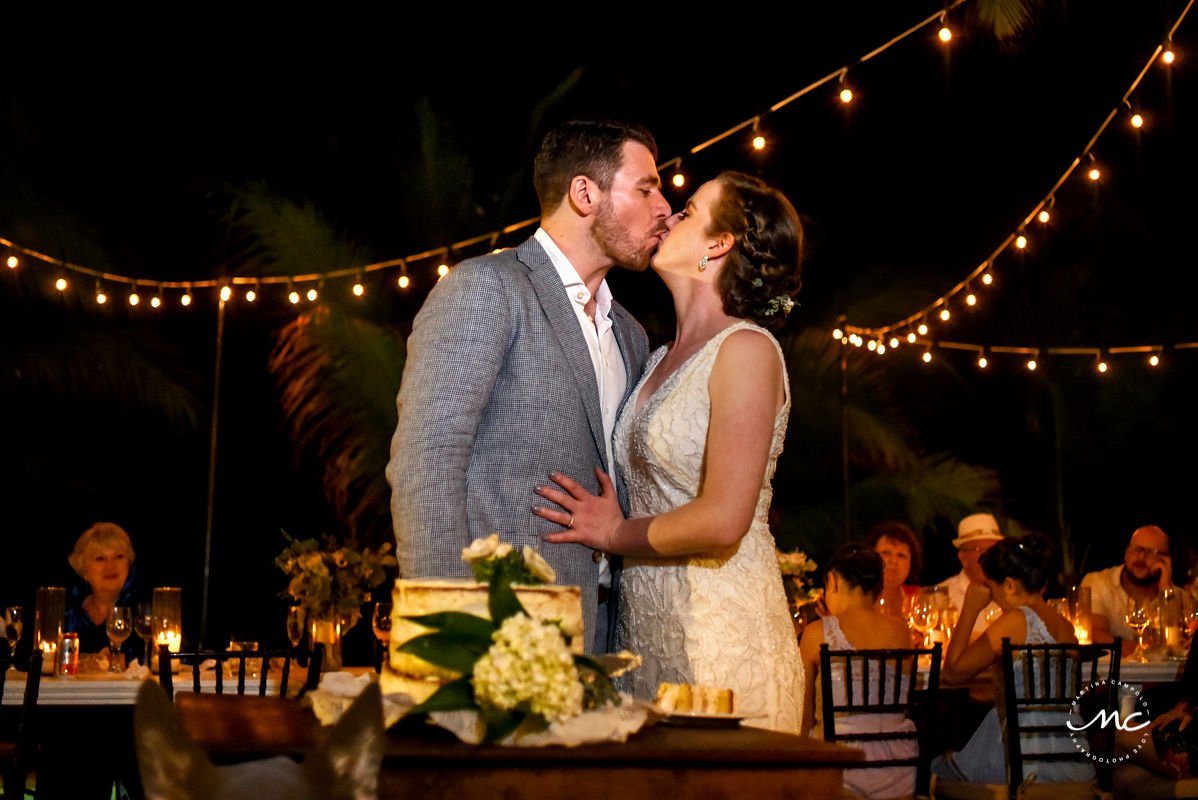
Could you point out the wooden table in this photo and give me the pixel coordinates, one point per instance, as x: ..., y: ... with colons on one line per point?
x: 659, y: 762
x: 100, y: 689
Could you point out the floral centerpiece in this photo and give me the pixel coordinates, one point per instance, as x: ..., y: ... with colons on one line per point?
x: 332, y: 580
x: 798, y: 578
x: 516, y: 672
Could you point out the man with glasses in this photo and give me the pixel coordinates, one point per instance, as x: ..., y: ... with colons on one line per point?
x: 976, y: 534
x: 1146, y: 570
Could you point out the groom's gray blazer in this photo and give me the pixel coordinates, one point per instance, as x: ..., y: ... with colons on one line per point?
x: 498, y: 391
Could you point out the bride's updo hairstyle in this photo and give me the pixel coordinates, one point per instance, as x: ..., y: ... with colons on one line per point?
x: 858, y: 566
x: 1029, y: 559
x: 762, y: 272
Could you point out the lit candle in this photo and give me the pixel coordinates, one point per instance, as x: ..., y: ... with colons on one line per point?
x: 1082, y: 631
x: 49, y: 657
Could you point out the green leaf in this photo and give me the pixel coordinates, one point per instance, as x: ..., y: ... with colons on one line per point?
x: 454, y: 696
x: 503, y: 600
x: 500, y: 723
x: 456, y: 622
x: 447, y: 650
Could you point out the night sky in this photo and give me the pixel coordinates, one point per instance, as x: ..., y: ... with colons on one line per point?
x: 123, y: 156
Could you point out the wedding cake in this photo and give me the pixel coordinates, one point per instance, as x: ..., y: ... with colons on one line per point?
x: 408, y: 674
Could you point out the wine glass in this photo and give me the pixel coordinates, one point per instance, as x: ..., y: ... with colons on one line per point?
x: 1137, y: 619
x: 14, y: 620
x: 120, y: 626
x: 925, y: 615
x: 381, y: 623
x: 143, y: 625
x: 295, y: 624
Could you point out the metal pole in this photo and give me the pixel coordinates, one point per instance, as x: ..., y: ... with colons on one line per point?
x: 220, y: 340
x: 844, y: 430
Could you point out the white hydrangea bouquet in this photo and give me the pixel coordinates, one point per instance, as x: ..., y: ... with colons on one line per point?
x: 519, y: 683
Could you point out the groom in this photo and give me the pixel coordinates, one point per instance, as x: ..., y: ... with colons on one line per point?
x: 519, y: 363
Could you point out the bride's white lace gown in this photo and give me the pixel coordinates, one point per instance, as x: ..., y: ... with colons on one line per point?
x: 717, y: 618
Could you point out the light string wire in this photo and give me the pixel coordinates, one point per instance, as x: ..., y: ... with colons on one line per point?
x: 854, y: 334
x: 445, y: 251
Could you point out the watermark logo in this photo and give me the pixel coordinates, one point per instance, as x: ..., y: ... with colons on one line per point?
x: 1128, y: 722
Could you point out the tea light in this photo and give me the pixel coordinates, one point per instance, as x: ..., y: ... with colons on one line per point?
x: 172, y: 639
x: 1082, y: 632
x: 49, y: 656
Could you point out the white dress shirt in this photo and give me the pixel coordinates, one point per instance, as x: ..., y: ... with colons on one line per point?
x: 610, y: 376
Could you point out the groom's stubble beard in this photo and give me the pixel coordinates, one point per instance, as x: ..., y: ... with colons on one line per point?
x: 616, y: 243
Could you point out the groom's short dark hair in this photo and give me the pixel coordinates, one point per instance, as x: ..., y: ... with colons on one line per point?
x: 582, y: 147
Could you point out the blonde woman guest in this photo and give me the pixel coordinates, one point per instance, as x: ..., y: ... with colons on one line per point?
x: 103, y: 558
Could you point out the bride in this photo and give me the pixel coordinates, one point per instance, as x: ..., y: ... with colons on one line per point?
x: 697, y: 443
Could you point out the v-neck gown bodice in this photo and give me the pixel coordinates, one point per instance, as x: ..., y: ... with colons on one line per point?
x: 718, y: 618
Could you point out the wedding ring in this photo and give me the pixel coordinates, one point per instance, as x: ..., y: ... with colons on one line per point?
x: 570, y: 524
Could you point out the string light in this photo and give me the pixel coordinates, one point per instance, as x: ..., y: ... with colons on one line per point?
x: 758, y: 142
x: 987, y: 278
x: 312, y: 295
x: 134, y: 299
x: 911, y: 337
x: 982, y: 361
x: 846, y: 95
x: 12, y: 262
x: 927, y: 356
x: 837, y: 334
x: 923, y: 329
x: 293, y: 296
x: 1168, y: 56
x: 155, y: 301
x: 1102, y: 366
x: 944, y: 33
x: 443, y: 270
x: 881, y: 348
x: 894, y: 342
x: 225, y: 293
x: 101, y: 298
x: 679, y: 180
x: 1137, y: 121
x: 1094, y: 173
x: 1154, y: 360
x: 873, y: 344
x: 251, y: 294
x: 1021, y: 241
x: 185, y: 300
x: 1043, y: 216
x: 1031, y: 365
x: 971, y: 299
x: 61, y: 284
x: 403, y: 281
x: 944, y: 315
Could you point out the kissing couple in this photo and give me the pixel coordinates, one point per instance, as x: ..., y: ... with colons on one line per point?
x: 530, y: 405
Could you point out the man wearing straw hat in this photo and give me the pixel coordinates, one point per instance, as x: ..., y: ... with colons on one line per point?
x: 976, y: 534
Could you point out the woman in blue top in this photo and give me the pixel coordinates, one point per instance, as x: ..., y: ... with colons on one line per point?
x: 103, y: 557
x: 1016, y: 571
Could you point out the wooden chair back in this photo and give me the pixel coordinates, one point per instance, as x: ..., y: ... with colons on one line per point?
x: 17, y: 756
x: 194, y: 660
x: 878, y: 682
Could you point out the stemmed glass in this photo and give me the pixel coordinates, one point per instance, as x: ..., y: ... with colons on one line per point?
x: 925, y: 615
x: 295, y: 624
x: 1137, y: 619
x: 381, y: 623
x: 143, y: 625
x: 14, y: 620
x: 120, y: 626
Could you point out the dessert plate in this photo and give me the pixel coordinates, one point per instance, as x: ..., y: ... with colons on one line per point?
x: 699, y: 719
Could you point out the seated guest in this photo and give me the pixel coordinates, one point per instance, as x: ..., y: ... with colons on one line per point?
x: 902, y: 558
x: 976, y: 534
x: 852, y: 581
x: 1016, y: 572
x: 103, y: 557
x: 1145, y: 571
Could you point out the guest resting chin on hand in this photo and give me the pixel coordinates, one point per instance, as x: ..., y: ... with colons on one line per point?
x: 103, y: 558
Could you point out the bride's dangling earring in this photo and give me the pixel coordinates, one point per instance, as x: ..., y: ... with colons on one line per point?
x: 703, y: 263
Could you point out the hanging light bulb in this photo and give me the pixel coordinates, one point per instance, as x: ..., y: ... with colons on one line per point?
x: 1031, y: 365
x: 987, y: 278
x: 1168, y: 56
x: 758, y: 142
x: 873, y: 344
x: 894, y: 342
x: 1137, y: 121
x: 443, y: 270
x: 185, y: 299
x: 101, y: 298
x: 312, y: 295
x: 923, y: 329
x: 225, y: 293
x: 403, y: 281
x: 1021, y: 241
x: 1094, y: 173
x: 927, y: 356
x: 155, y: 301
x: 678, y: 179
x: 971, y: 299
x: 134, y: 299
x: 1154, y: 360
x: 881, y: 348
x: 293, y: 296
x: 846, y: 95
x: 944, y: 33
x: 983, y: 362
x: 12, y: 262
x: 61, y: 284
x: 911, y: 337
x: 251, y: 294
x: 1043, y: 216
x: 944, y: 315
x: 1102, y: 366
x: 837, y: 334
